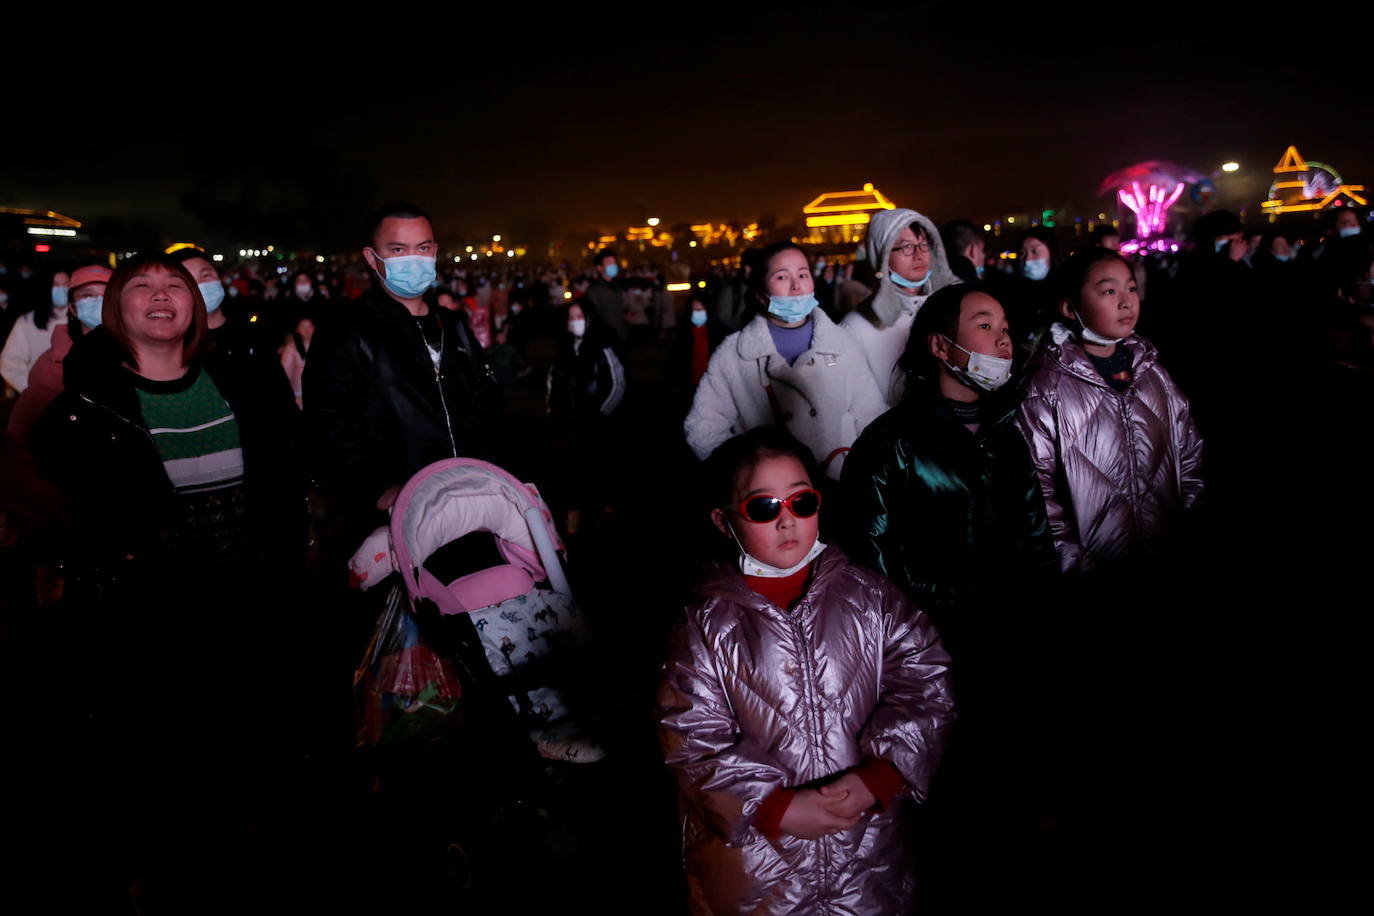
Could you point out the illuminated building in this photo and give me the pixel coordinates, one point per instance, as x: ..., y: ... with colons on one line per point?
x: 1305, y: 184
x: 839, y: 216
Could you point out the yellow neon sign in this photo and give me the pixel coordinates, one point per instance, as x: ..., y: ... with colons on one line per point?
x: 876, y: 201
x: 1292, y: 161
x: 839, y: 219
x: 678, y: 287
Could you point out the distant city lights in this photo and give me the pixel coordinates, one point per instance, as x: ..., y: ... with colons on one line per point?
x: 1230, y: 166
x: 679, y: 287
x: 217, y: 257
x: 653, y: 221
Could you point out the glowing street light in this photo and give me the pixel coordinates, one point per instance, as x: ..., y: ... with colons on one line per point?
x: 496, y: 238
x: 1230, y: 167
x: 653, y: 221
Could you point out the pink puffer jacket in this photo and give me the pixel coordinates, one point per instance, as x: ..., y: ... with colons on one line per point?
x: 1117, y: 470
x: 754, y: 698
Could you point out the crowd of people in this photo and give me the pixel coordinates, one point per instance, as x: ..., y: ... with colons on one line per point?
x: 907, y: 478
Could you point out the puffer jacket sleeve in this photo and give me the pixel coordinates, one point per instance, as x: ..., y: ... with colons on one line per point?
x: 610, y: 377
x: 1038, y: 422
x: 1189, y: 443
x: 714, y: 416
x: 868, y: 479
x: 916, y: 706
x: 723, y: 774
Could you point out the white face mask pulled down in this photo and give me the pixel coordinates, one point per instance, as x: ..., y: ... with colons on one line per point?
x: 985, y: 372
x: 752, y: 566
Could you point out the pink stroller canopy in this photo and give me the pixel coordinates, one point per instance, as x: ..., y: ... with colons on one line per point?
x: 455, y: 497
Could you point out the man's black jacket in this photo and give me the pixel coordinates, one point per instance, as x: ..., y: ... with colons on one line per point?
x: 377, y: 408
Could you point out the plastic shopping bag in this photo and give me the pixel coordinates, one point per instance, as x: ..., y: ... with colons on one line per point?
x: 402, y: 689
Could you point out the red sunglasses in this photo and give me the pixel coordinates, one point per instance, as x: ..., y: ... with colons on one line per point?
x: 764, y: 508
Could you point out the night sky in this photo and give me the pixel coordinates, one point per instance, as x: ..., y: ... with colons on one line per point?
x: 602, y: 117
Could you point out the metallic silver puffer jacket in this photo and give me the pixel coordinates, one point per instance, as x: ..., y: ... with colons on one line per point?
x: 754, y: 698
x: 1117, y: 470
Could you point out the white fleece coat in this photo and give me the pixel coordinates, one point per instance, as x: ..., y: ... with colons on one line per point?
x: 27, y: 342
x: 827, y: 396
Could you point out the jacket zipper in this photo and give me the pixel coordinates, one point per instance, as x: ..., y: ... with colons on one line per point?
x: 1130, y: 451
x: 817, y: 747
x: 439, y: 379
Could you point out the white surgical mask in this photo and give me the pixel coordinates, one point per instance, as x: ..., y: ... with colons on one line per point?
x: 1092, y: 337
x: 577, y: 327
x: 986, y: 372
x: 752, y: 566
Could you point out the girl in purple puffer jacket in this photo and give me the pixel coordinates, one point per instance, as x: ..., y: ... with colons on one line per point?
x: 1109, y: 432
x: 804, y: 702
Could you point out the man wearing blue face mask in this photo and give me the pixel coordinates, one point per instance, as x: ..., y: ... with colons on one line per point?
x: 391, y: 384
x: 234, y: 337
x: 606, y: 296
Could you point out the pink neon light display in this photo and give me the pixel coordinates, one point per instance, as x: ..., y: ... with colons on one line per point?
x: 1150, y: 207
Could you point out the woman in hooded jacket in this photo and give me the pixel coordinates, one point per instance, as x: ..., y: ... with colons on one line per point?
x: 909, y: 264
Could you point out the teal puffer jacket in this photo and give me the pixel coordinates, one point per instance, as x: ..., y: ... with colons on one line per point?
x: 945, y: 513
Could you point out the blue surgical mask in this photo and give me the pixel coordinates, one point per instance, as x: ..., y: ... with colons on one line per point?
x: 59, y: 296
x: 409, y: 275
x: 88, y: 310
x: 213, y: 294
x: 1348, y: 231
x: 1035, y: 269
x: 611, y: 270
x: 904, y: 283
x: 699, y: 318
x: 978, y: 271
x: 1283, y: 257
x: 1220, y: 244
x: 791, y: 309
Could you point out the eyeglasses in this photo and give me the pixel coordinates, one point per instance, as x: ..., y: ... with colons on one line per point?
x: 912, y: 248
x: 761, y: 509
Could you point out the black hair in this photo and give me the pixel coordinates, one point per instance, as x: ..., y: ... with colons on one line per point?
x: 758, y: 275
x: 182, y: 255
x: 1102, y: 231
x: 397, y: 209
x: 600, y: 257
x: 1047, y: 236
x: 959, y: 234
x: 1212, y: 226
x: 1074, y: 272
x: 723, y: 467
x: 938, y: 315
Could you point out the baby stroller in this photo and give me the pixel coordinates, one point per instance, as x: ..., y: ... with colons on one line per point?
x: 478, y: 557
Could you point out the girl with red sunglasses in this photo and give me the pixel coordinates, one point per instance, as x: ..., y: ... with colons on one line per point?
x: 804, y: 705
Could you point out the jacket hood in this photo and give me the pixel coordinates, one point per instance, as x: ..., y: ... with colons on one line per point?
x: 883, y: 229
x: 755, y: 341
x: 1066, y: 352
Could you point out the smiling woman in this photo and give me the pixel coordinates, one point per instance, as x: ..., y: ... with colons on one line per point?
x: 188, y: 519
x: 154, y: 312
